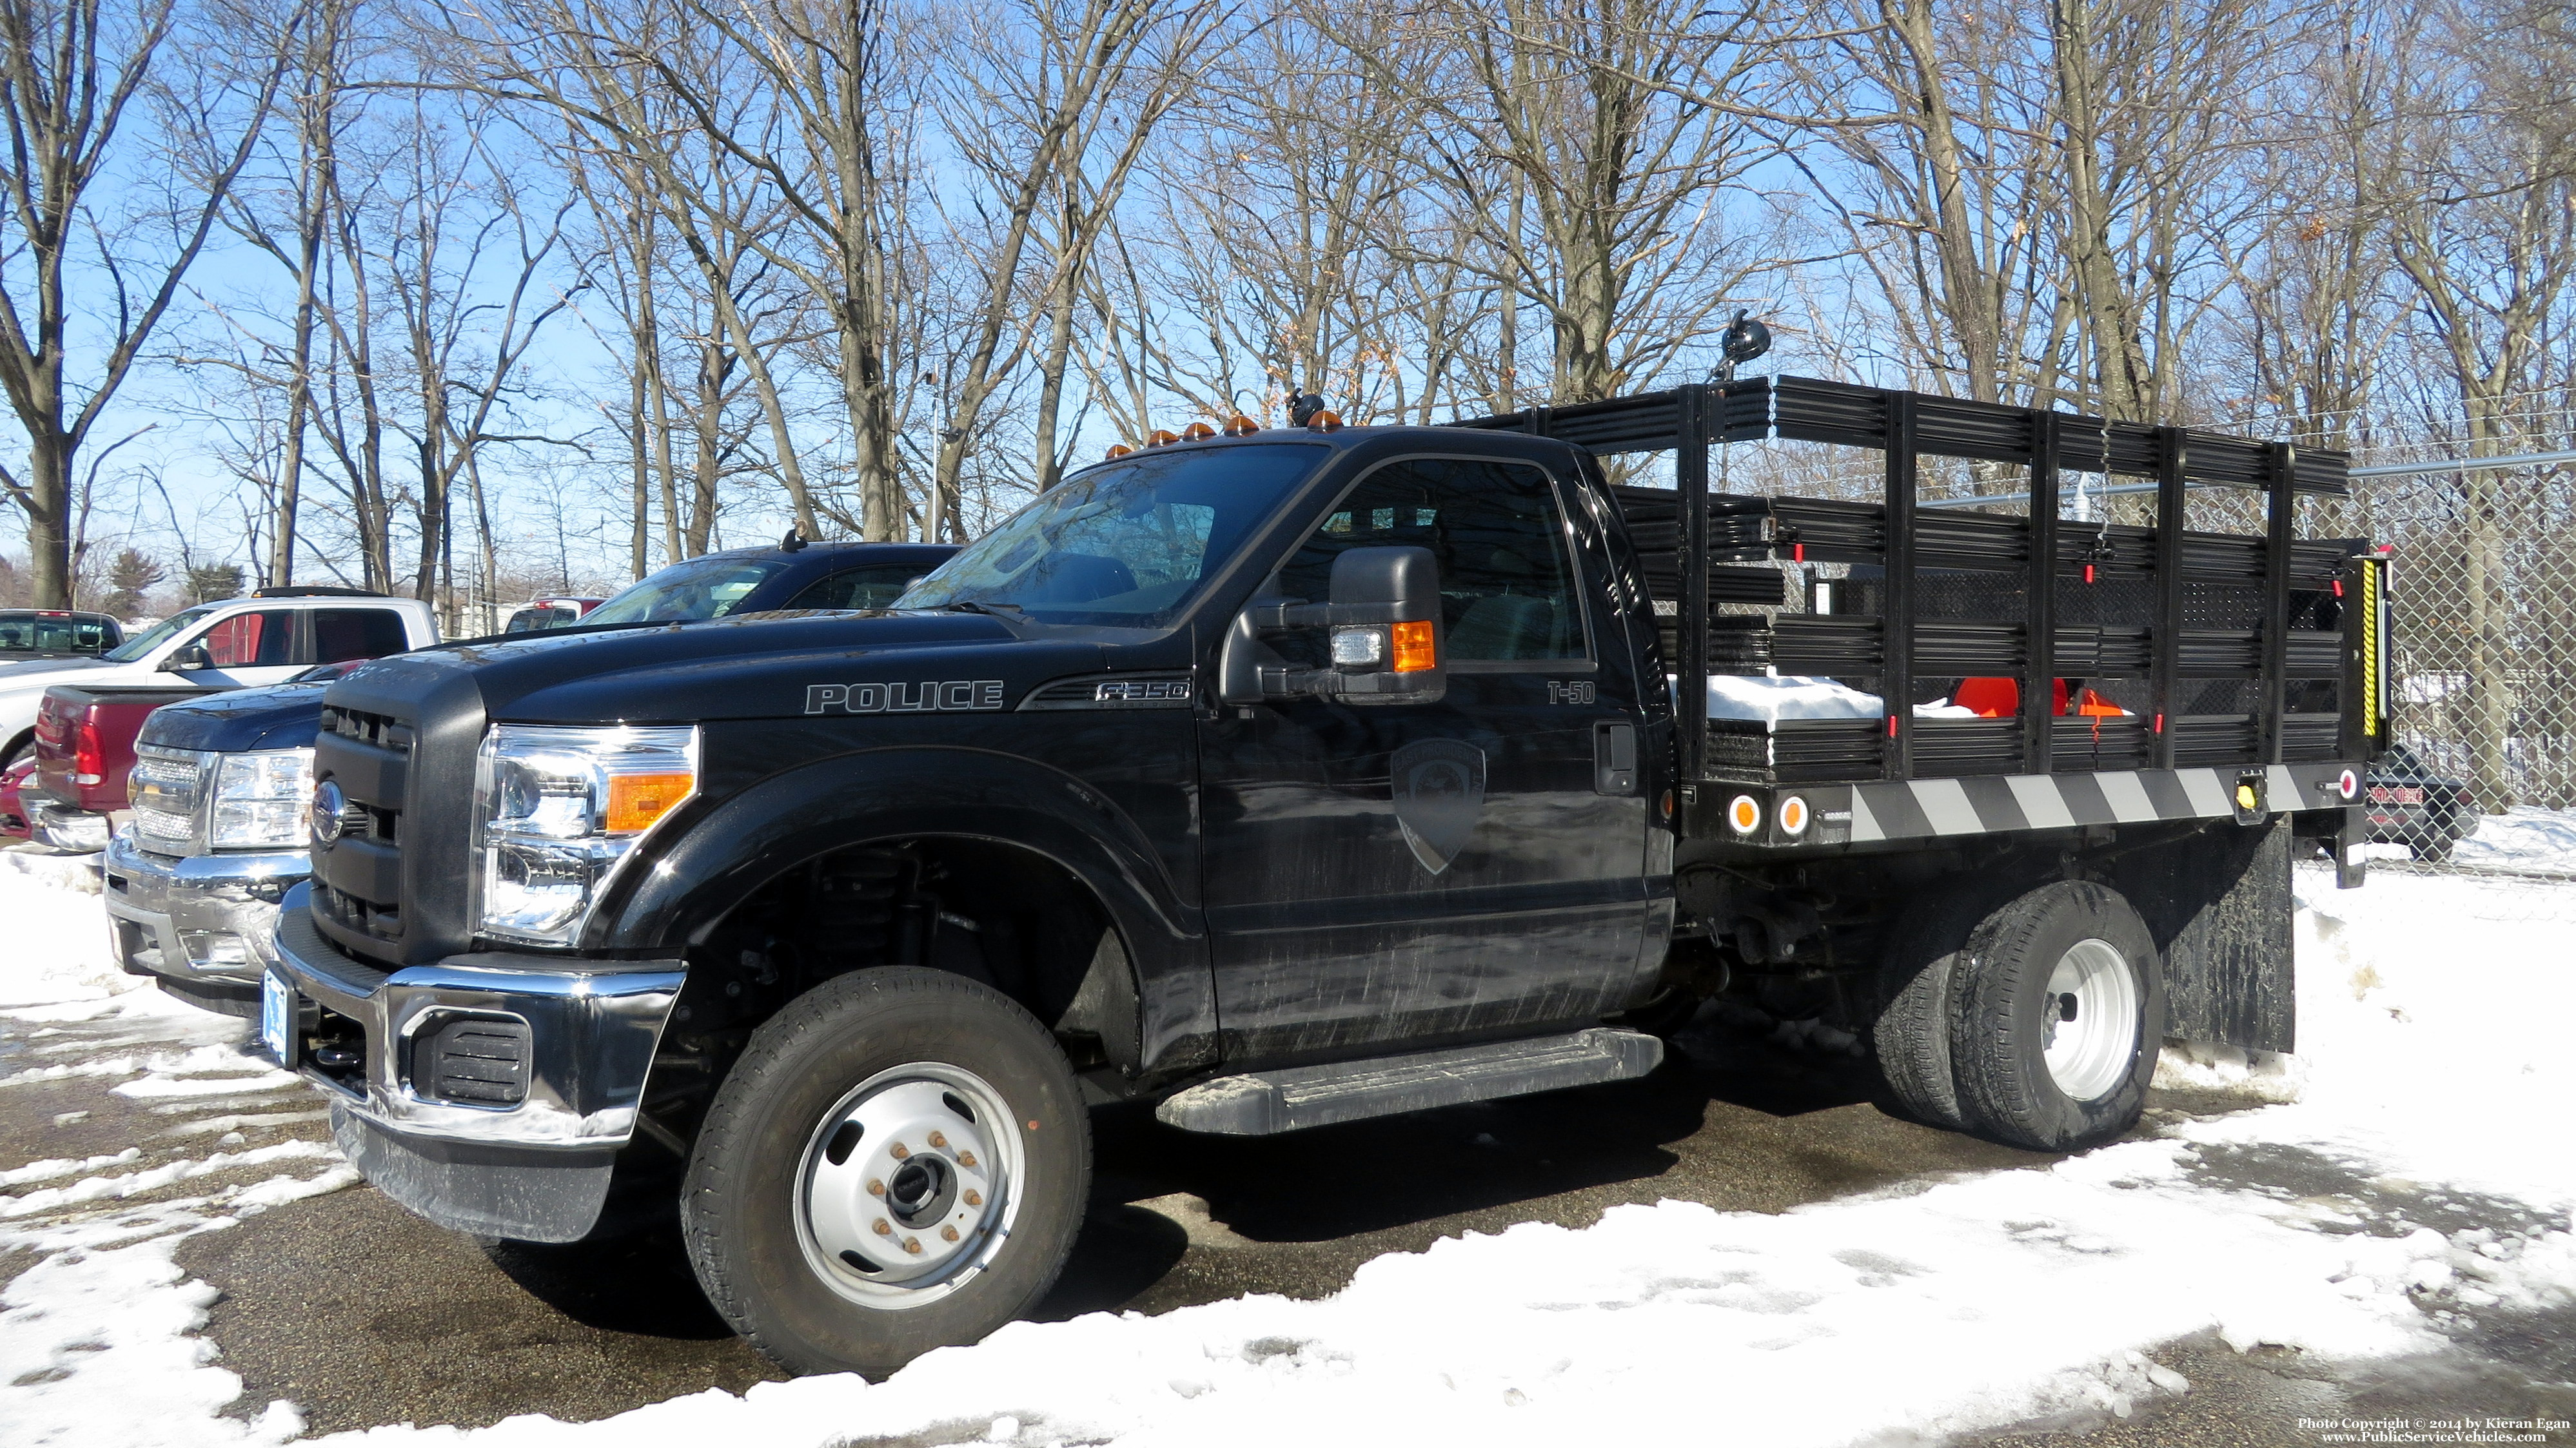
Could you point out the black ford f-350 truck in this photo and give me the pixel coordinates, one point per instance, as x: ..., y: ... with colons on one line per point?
x: 1292, y: 776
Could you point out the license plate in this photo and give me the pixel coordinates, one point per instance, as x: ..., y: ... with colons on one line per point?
x: 277, y: 1017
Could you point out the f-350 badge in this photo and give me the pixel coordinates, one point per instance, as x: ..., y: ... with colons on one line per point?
x: 1439, y: 787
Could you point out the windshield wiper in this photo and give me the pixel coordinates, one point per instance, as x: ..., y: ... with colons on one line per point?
x: 973, y: 605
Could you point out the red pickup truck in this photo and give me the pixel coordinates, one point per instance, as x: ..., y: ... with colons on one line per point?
x: 75, y: 795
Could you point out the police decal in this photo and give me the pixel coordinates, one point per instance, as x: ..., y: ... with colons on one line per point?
x: 958, y: 696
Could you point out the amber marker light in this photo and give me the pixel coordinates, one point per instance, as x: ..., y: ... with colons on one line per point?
x: 1793, y: 815
x: 1241, y: 426
x: 1324, y: 421
x: 1163, y: 437
x: 1119, y: 450
x: 1197, y: 432
x: 635, y: 801
x: 1414, y: 650
x: 1744, y: 814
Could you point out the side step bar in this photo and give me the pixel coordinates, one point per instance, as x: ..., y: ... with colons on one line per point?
x: 1266, y: 1103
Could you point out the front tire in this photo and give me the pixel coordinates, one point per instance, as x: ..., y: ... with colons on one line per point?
x: 2058, y: 1015
x: 899, y: 1162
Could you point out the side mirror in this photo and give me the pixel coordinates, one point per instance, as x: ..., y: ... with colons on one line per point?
x: 1383, y: 636
x: 188, y: 660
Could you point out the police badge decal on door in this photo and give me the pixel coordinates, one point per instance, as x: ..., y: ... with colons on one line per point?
x: 1439, y: 787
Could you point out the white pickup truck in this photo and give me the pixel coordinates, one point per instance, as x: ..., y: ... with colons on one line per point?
x: 263, y: 637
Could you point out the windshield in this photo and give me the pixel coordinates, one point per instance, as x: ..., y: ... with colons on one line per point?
x: 1124, y: 544
x: 696, y: 588
x: 142, y: 644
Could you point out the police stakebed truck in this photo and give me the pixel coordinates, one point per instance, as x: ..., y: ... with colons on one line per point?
x: 1285, y: 777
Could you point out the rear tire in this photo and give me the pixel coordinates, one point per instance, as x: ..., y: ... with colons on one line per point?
x: 2058, y: 1016
x: 899, y: 1162
x: 1912, y: 1034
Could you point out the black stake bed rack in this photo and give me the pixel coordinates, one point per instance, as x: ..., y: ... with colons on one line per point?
x: 2240, y: 660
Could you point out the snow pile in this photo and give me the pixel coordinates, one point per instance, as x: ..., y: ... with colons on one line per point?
x: 2523, y: 838
x: 1772, y: 698
x: 1769, y: 698
x: 57, y: 947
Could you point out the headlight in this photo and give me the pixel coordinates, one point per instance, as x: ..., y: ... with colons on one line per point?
x: 263, y: 799
x: 556, y: 809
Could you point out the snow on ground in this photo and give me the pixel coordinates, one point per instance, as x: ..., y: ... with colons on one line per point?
x: 98, y: 1335
x: 2432, y: 1078
x: 2523, y: 838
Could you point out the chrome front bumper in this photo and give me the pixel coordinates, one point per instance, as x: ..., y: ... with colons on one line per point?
x: 575, y: 1038
x: 207, y: 918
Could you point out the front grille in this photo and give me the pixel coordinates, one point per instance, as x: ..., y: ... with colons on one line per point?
x: 398, y: 741
x: 370, y: 769
x: 168, y: 790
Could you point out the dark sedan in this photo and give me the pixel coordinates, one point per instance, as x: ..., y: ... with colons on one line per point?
x: 760, y: 580
x: 2411, y: 805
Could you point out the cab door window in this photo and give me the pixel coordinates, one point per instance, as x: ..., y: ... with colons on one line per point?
x: 341, y: 634
x: 251, y: 641
x: 1506, y: 583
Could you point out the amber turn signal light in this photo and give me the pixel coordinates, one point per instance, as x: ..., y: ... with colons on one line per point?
x: 1414, y: 650
x: 635, y: 801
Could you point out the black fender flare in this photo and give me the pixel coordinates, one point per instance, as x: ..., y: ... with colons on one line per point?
x: 685, y: 882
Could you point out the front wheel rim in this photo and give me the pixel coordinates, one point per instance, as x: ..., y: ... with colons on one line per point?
x: 908, y: 1187
x: 2089, y: 1020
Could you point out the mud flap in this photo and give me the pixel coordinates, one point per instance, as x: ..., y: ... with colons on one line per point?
x: 2219, y: 908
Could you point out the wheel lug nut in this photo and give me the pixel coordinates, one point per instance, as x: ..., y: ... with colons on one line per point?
x: 912, y: 1245
x: 966, y: 1158
x: 875, y: 1188
x: 884, y: 1228
x: 948, y: 1234
x: 900, y: 1151
x: 974, y: 1198
x: 936, y: 1139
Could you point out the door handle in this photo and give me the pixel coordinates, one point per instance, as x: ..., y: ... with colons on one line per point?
x: 1614, y: 758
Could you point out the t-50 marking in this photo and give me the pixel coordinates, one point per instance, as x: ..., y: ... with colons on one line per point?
x: 957, y: 696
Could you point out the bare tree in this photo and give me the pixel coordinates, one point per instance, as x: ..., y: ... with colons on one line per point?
x: 76, y: 279
x: 1626, y: 246
x: 1028, y: 114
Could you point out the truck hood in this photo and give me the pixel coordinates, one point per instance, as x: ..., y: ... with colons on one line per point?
x: 759, y: 666
x: 281, y: 716
x: 28, y: 673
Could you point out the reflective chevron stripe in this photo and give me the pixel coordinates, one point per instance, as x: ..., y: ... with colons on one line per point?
x: 1992, y: 804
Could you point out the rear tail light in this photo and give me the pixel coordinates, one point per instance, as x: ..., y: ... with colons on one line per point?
x: 89, y: 755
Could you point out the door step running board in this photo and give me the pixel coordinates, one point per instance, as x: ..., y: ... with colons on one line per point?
x: 1266, y: 1103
